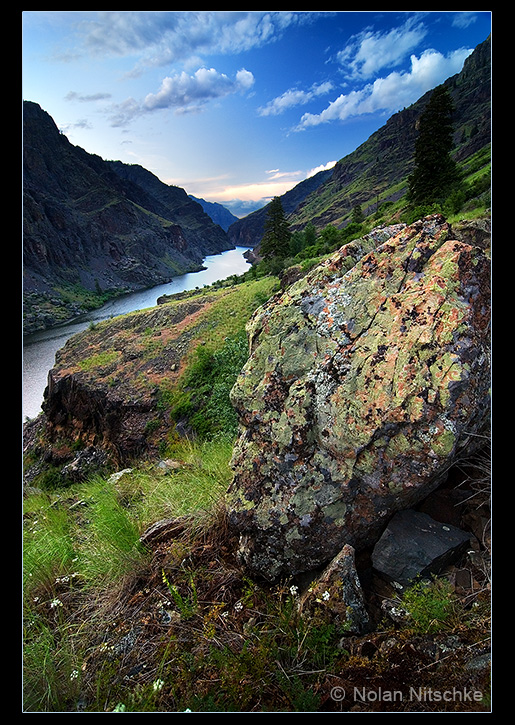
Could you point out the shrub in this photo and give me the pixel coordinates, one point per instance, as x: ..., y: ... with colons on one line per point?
x: 429, y: 605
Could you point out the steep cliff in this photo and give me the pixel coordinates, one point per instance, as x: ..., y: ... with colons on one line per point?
x: 93, y: 227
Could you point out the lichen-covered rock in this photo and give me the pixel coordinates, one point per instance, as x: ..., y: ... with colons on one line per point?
x: 366, y: 379
x: 336, y: 596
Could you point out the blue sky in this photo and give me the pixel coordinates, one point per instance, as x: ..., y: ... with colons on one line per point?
x: 236, y: 107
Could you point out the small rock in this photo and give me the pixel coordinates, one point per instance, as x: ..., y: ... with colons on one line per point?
x: 337, y: 596
x: 115, y: 477
x: 395, y: 611
x: 164, y: 529
x: 169, y: 465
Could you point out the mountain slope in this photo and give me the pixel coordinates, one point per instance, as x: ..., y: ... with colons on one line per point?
x: 377, y: 170
x: 218, y: 213
x: 93, y: 228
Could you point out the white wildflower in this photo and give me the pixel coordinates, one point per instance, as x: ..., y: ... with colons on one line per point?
x: 55, y: 603
x: 294, y: 590
x: 325, y: 596
x: 158, y: 685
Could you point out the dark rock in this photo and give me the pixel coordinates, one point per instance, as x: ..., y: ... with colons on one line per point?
x: 84, y: 464
x: 415, y: 545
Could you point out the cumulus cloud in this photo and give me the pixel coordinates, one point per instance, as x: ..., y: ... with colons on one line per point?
x: 185, y: 93
x: 294, y: 97
x: 393, y: 92
x: 369, y: 52
x: 322, y: 167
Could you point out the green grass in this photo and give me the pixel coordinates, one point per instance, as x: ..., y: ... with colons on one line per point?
x: 200, y: 399
x: 82, y: 542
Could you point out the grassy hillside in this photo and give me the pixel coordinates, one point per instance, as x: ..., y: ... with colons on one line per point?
x: 122, y: 615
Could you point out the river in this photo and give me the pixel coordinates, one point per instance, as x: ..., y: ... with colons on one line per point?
x: 39, y: 349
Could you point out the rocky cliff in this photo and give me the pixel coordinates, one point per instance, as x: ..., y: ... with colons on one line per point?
x: 93, y: 227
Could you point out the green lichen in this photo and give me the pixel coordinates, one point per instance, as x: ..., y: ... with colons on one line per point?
x: 443, y: 443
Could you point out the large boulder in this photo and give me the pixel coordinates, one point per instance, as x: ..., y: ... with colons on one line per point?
x: 366, y: 379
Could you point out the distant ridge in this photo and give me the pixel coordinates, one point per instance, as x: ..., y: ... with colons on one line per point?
x: 247, y: 232
x: 218, y: 213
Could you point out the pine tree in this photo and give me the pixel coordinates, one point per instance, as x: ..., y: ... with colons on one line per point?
x: 276, y: 237
x: 436, y: 173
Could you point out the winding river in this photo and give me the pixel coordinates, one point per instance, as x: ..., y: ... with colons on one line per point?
x: 39, y: 349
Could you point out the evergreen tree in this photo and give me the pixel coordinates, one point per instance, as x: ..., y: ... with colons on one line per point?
x: 436, y: 173
x: 276, y: 237
x: 357, y: 214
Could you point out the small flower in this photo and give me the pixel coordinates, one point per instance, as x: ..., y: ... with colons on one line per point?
x: 294, y: 590
x: 326, y: 596
x: 74, y: 674
x: 55, y: 603
x: 238, y: 606
x: 158, y: 685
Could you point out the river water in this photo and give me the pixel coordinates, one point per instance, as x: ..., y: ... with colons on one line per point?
x: 40, y: 348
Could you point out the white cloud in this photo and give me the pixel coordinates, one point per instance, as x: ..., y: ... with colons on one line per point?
x: 368, y: 52
x: 294, y: 97
x: 184, y: 93
x: 74, y: 96
x: 464, y: 19
x: 162, y: 37
x: 322, y: 167
x: 395, y: 91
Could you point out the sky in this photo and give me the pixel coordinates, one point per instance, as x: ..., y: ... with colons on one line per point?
x: 236, y: 107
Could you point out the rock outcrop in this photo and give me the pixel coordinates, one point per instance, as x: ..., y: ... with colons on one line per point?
x: 366, y: 380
